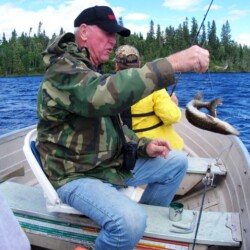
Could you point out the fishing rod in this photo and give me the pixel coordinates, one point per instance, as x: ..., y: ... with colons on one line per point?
x: 207, y: 180
x: 197, y: 34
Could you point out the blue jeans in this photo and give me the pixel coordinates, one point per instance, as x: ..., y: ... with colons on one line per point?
x: 123, y: 221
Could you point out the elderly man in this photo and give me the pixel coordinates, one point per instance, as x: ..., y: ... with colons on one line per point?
x: 80, y: 135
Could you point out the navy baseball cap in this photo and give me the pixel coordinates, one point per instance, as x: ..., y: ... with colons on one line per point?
x: 103, y: 17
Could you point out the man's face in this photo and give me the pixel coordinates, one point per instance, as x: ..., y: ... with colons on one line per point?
x: 100, y: 44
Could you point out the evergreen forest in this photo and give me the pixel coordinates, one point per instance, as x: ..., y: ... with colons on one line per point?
x: 20, y: 55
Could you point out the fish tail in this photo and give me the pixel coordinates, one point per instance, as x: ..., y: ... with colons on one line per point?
x: 213, y: 105
x: 198, y: 96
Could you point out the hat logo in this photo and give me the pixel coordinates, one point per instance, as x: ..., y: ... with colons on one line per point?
x: 111, y: 17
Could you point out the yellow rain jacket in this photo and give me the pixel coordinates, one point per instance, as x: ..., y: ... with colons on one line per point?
x: 160, y: 115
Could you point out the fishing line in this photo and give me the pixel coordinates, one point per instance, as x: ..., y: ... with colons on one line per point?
x: 195, y: 38
x: 201, y: 209
x: 210, y: 81
x: 225, y: 149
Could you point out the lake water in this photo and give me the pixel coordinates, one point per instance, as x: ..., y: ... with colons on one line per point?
x: 18, y: 99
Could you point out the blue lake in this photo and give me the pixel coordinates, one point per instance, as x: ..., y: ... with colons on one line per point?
x: 18, y: 99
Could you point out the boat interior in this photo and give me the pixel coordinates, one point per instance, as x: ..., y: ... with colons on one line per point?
x: 215, y: 194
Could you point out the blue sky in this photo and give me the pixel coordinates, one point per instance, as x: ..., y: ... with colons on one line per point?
x: 136, y: 14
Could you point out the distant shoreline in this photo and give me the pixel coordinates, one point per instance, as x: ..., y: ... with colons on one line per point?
x: 210, y: 72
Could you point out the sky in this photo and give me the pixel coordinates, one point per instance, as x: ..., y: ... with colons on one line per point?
x: 22, y: 15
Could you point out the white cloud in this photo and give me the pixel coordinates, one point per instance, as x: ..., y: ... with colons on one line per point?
x: 136, y: 16
x: 243, y: 39
x: 14, y: 18
x: 181, y: 4
x: 52, y: 18
x: 213, y: 7
x: 143, y: 29
x: 56, y: 15
x: 237, y: 14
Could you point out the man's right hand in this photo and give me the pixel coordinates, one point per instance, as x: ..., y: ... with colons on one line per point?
x: 194, y: 58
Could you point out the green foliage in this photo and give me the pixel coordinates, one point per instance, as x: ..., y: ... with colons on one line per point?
x: 21, y: 55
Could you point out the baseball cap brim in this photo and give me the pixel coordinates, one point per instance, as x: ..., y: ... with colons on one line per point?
x: 111, y: 27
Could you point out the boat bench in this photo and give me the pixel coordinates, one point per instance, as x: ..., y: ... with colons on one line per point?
x: 51, y: 230
x: 11, y: 172
x: 15, y: 165
x: 197, y: 169
x: 199, y: 165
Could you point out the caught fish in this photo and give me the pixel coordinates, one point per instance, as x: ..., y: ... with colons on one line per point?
x: 209, y: 121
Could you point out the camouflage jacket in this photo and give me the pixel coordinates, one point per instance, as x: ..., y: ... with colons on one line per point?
x: 76, y: 137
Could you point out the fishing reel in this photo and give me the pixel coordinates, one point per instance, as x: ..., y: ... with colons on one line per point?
x: 208, y: 179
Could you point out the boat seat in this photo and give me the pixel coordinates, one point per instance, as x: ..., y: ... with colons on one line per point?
x: 197, y: 169
x: 53, y: 202
x: 199, y: 165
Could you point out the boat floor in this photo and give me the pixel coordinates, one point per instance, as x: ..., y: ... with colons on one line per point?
x: 29, y: 207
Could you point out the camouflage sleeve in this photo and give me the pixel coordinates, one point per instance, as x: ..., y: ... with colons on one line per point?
x: 70, y: 85
x: 129, y: 134
x: 142, y: 142
x: 142, y: 146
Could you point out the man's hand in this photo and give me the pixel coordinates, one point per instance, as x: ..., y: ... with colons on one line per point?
x: 158, y: 147
x: 194, y: 58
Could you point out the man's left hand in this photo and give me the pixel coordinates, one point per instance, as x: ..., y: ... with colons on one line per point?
x: 158, y: 147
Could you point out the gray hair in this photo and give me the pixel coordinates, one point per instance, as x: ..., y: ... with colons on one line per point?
x: 76, y: 30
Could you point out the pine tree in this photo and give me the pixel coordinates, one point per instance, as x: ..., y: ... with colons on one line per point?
x: 21, y: 55
x: 194, y: 30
